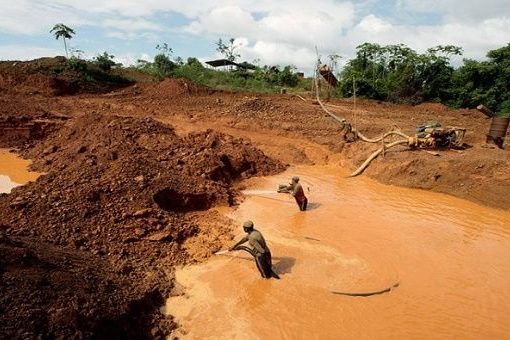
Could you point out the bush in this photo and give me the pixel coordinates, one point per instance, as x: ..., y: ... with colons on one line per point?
x: 77, y: 64
x: 163, y: 66
x: 104, y: 61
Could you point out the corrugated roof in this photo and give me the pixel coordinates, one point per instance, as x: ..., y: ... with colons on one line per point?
x: 221, y: 62
x: 226, y: 62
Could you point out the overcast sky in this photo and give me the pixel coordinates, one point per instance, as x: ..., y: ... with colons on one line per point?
x: 272, y: 31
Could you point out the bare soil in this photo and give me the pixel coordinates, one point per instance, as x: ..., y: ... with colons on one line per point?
x: 131, y: 174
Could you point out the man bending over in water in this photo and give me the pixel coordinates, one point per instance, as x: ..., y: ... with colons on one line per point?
x: 259, y: 250
x: 296, y: 189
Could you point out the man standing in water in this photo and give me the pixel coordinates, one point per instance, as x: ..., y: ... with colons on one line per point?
x: 296, y: 189
x: 259, y: 250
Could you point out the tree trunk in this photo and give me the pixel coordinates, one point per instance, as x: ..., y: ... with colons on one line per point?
x: 65, y: 47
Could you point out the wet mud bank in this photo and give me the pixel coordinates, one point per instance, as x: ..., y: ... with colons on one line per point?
x: 90, y: 246
x: 22, y: 131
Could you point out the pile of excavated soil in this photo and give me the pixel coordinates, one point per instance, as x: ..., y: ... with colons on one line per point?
x: 175, y: 87
x: 51, y: 77
x: 90, y: 246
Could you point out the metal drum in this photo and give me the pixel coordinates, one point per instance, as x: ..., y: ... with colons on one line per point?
x: 499, y: 126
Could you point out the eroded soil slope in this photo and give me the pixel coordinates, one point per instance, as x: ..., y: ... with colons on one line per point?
x: 90, y: 246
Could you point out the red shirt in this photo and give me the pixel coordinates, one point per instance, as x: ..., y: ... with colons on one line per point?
x: 298, y: 192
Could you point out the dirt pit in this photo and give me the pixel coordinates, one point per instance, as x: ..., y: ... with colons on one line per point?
x: 448, y: 257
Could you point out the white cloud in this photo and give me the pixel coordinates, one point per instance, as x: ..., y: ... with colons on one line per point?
x: 292, y: 23
x: 224, y: 20
x: 283, y: 54
x: 147, y: 36
x: 22, y: 52
x: 460, y: 10
x: 373, y: 24
x: 276, y: 32
x: 32, y: 17
x: 475, y: 39
x: 132, y: 25
x: 129, y: 59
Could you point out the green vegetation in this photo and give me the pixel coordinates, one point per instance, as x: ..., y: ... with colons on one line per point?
x: 486, y: 82
x: 64, y: 32
x: 393, y: 73
x: 399, y: 74
x: 255, y: 78
x: 228, y: 50
x: 105, y: 61
x: 98, y: 70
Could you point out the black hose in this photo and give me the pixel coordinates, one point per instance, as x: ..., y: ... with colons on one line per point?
x: 246, y: 249
x: 377, y: 292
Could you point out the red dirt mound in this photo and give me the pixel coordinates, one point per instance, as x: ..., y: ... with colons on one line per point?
x: 121, y: 194
x: 53, y: 77
x: 175, y: 87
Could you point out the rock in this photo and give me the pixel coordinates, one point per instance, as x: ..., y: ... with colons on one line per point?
x: 90, y: 161
x: 140, y: 232
x: 50, y: 150
x: 143, y: 212
x: 112, y: 155
x: 19, y: 203
x: 81, y: 149
x: 131, y: 239
x: 160, y: 236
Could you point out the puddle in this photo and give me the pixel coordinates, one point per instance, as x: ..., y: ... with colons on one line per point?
x: 450, y: 257
x: 14, y: 171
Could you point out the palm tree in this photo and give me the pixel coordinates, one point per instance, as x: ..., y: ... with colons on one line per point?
x: 61, y: 30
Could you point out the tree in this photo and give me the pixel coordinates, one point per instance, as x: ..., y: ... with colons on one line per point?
x: 228, y: 50
x: 104, y: 61
x: 333, y: 60
x: 400, y: 74
x: 484, y: 82
x: 163, y: 65
x: 165, y: 49
x: 64, y: 32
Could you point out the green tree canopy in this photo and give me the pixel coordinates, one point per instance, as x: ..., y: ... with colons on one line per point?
x: 64, y: 32
x: 398, y: 73
x: 229, y: 49
x: 484, y: 82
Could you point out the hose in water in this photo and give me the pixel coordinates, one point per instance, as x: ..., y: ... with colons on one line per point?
x: 365, y: 294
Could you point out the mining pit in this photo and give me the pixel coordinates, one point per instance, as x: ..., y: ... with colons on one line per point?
x: 106, y: 191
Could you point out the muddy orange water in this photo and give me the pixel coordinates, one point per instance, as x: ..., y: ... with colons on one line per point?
x: 14, y: 171
x: 451, y: 258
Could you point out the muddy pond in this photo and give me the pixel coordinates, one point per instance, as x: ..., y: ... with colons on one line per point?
x: 449, y: 257
x: 14, y: 171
